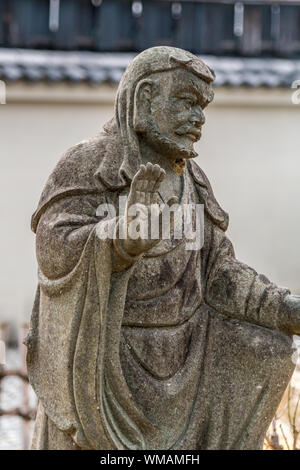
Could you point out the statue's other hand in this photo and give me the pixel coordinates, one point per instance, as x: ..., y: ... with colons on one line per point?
x: 289, y: 314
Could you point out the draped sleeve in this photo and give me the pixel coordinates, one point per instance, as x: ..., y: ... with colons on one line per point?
x: 236, y: 290
x: 73, y: 344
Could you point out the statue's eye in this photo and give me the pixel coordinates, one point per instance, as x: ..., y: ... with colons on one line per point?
x: 188, y: 103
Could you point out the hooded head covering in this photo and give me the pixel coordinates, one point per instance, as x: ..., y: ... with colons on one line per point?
x: 154, y: 60
x: 111, y: 159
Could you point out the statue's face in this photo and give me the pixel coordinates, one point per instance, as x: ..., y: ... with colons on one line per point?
x: 177, y: 112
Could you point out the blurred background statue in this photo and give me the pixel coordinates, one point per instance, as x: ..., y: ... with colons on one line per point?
x: 143, y: 343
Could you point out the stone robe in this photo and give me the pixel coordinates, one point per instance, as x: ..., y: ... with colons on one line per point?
x: 179, y: 351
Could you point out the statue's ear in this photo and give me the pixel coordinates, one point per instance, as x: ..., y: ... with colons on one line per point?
x: 142, y: 104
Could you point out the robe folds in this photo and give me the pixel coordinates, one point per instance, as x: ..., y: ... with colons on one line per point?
x: 165, y: 354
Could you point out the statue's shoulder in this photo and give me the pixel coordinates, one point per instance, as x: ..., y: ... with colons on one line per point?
x: 212, y: 207
x: 79, y: 163
x: 75, y: 171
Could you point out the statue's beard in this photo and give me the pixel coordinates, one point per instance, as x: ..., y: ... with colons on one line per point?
x: 164, y: 145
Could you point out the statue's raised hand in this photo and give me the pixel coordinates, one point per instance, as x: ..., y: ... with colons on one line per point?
x: 142, y: 199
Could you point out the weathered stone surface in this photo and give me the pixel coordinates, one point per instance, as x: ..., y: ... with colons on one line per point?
x: 143, y: 343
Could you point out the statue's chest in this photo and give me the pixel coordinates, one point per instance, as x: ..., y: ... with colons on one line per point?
x: 165, y: 286
x: 171, y: 187
x: 154, y: 276
x: 163, y: 295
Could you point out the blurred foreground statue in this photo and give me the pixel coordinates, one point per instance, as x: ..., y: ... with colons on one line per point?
x: 142, y: 342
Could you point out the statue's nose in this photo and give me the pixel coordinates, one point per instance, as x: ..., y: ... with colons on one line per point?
x: 197, y: 119
x: 196, y: 123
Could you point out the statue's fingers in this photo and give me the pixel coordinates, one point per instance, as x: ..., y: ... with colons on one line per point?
x: 160, y: 178
x: 156, y: 170
x: 140, y: 173
x: 145, y: 181
x: 138, y: 176
x: 149, y: 166
x: 148, y: 170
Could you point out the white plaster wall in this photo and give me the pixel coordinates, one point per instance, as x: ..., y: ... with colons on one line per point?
x: 250, y: 153
x: 252, y: 157
x: 32, y: 139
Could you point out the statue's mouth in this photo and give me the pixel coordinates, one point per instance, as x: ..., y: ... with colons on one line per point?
x: 192, y: 134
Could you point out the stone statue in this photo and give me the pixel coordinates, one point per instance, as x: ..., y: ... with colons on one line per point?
x: 138, y: 342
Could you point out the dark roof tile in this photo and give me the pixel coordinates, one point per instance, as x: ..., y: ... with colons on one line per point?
x: 93, y: 67
x: 32, y: 73
x: 54, y: 74
x: 11, y: 72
